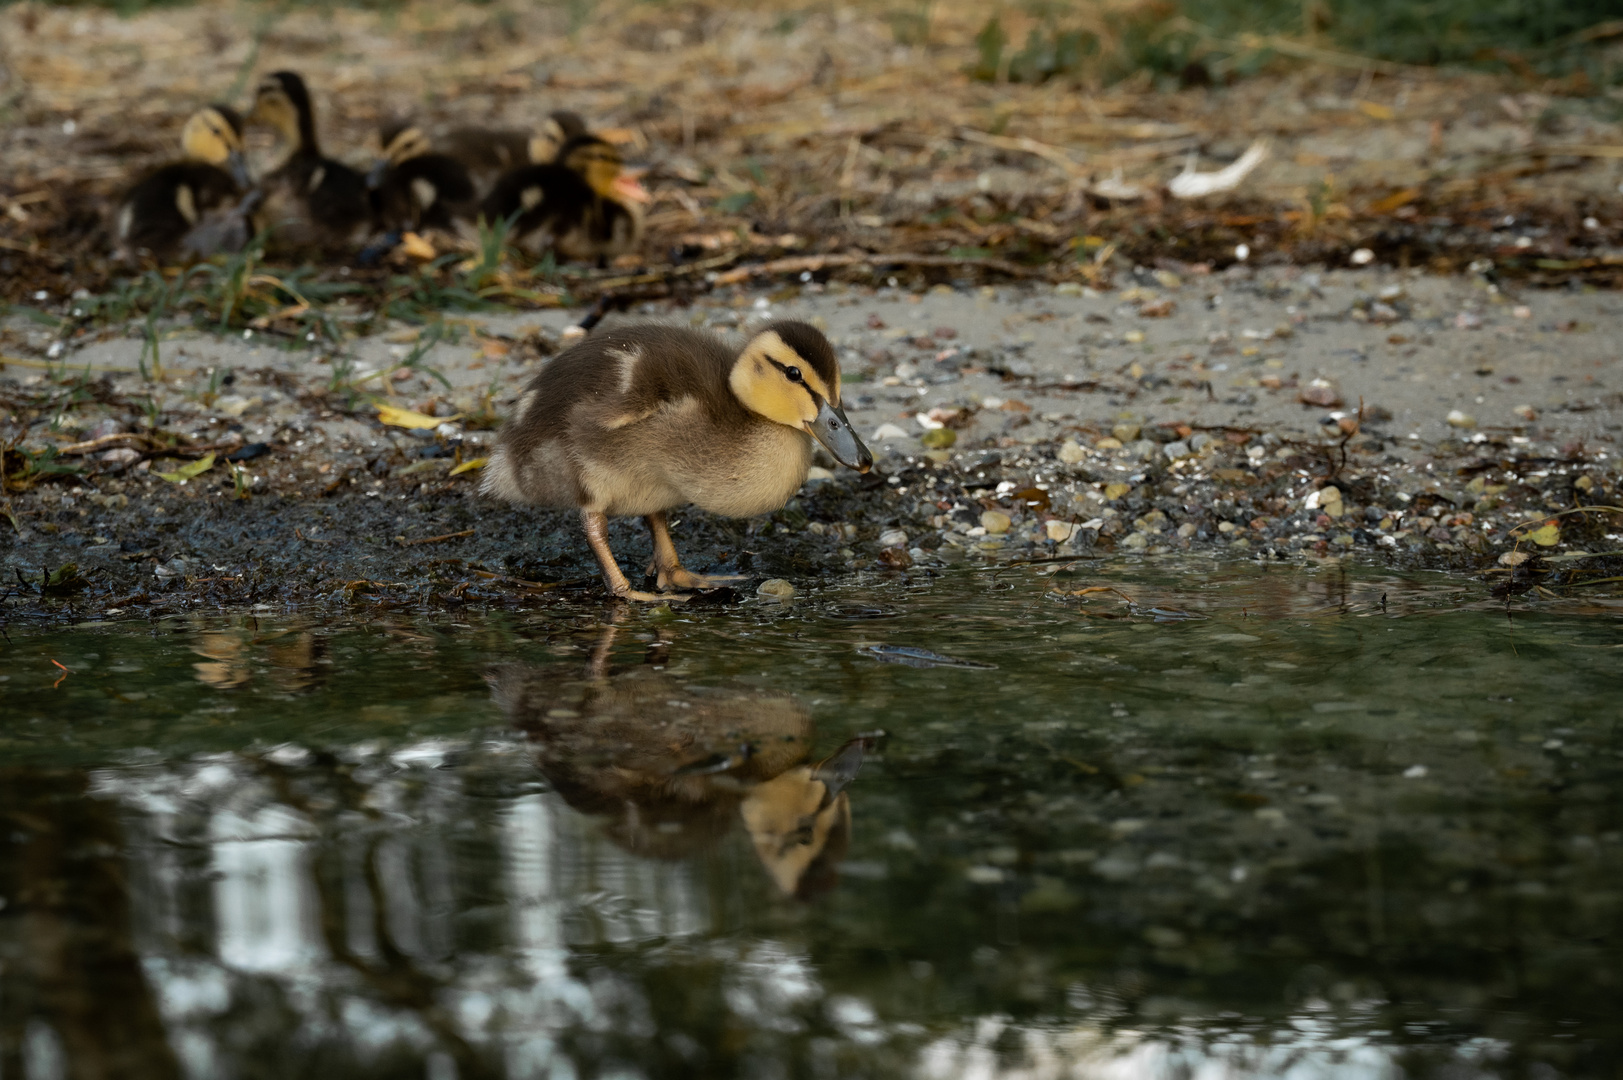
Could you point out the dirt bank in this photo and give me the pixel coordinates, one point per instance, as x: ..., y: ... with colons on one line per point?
x: 1206, y: 412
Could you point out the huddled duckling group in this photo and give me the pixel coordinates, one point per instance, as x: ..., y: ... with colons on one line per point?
x: 561, y: 187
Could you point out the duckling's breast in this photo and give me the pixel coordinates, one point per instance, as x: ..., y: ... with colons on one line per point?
x: 754, y: 471
x: 676, y: 457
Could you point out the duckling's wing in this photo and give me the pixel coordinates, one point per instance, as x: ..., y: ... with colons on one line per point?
x: 607, y: 414
x: 158, y: 210
x: 338, y: 197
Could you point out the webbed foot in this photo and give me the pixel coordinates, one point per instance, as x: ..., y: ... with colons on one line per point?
x: 679, y: 578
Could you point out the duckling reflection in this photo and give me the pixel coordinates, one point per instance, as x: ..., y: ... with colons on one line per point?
x: 671, y: 766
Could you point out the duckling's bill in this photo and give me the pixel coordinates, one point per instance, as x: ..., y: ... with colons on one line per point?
x: 833, y: 430
x: 629, y: 186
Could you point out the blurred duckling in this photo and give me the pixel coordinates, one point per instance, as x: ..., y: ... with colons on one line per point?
x: 644, y: 419
x: 583, y: 206
x: 488, y: 153
x: 416, y: 188
x: 311, y: 200
x: 188, y: 206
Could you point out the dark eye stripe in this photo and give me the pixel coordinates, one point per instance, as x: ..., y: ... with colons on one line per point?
x: 794, y: 375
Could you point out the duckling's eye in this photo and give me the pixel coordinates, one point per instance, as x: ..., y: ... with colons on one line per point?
x: 792, y: 374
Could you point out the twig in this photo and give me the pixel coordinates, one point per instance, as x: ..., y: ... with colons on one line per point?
x: 437, y: 539
x: 664, y: 273
x: 1047, y: 152
x: 93, y: 445
x: 802, y: 263
x: 532, y: 586
x: 1328, y: 56
x: 66, y: 365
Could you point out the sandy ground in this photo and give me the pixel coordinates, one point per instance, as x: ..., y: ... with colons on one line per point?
x: 1215, y: 412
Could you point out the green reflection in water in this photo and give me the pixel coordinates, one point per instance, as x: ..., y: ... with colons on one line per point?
x: 1326, y: 820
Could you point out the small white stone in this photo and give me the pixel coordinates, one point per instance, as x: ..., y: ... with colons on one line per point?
x: 1071, y: 452
x: 1362, y: 257
x: 1414, y: 772
x: 1059, y: 531
x: 893, y: 538
x: 889, y: 432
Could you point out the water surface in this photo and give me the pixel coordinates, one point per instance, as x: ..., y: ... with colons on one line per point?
x: 1179, y: 819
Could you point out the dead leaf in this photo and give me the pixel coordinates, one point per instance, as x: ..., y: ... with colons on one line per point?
x: 189, y: 470
x: 406, y: 418
x: 1546, y: 535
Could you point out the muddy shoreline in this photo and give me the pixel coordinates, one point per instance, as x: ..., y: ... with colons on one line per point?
x: 1216, y: 413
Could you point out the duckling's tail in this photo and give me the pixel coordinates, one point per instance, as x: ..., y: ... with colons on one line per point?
x: 498, y: 478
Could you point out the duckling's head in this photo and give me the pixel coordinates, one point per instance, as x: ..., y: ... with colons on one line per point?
x: 214, y: 135
x: 788, y: 373
x: 283, y: 103
x: 601, y: 166
x: 556, y: 130
x: 401, y: 143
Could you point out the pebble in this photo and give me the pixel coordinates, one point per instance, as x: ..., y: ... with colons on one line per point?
x: 1116, y: 491
x: 1071, y: 452
x: 1125, y: 433
x: 1059, y: 531
x: 775, y: 589
x: 995, y: 521
x: 1320, y: 392
x: 893, y: 538
x: 817, y: 472
x: 1513, y: 558
x: 889, y: 432
x: 1414, y: 772
x: 1176, y: 450
x: 1460, y: 420
x: 896, y: 558
x: 938, y: 438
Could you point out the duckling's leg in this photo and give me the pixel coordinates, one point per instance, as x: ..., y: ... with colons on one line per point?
x: 669, y: 568
x: 596, y: 524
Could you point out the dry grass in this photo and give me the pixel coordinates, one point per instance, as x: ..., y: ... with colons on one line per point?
x: 820, y: 129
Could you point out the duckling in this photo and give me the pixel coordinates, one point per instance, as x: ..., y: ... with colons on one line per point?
x: 312, y: 200
x: 644, y: 419
x: 487, y: 153
x: 180, y: 207
x: 583, y: 206
x: 416, y: 188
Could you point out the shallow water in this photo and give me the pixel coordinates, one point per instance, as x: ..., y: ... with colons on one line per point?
x: 1227, y: 820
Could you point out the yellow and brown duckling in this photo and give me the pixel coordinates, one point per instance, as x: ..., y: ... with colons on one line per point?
x: 414, y: 188
x: 644, y: 419
x: 187, y: 206
x: 311, y: 200
x: 488, y: 153
x: 582, y: 206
